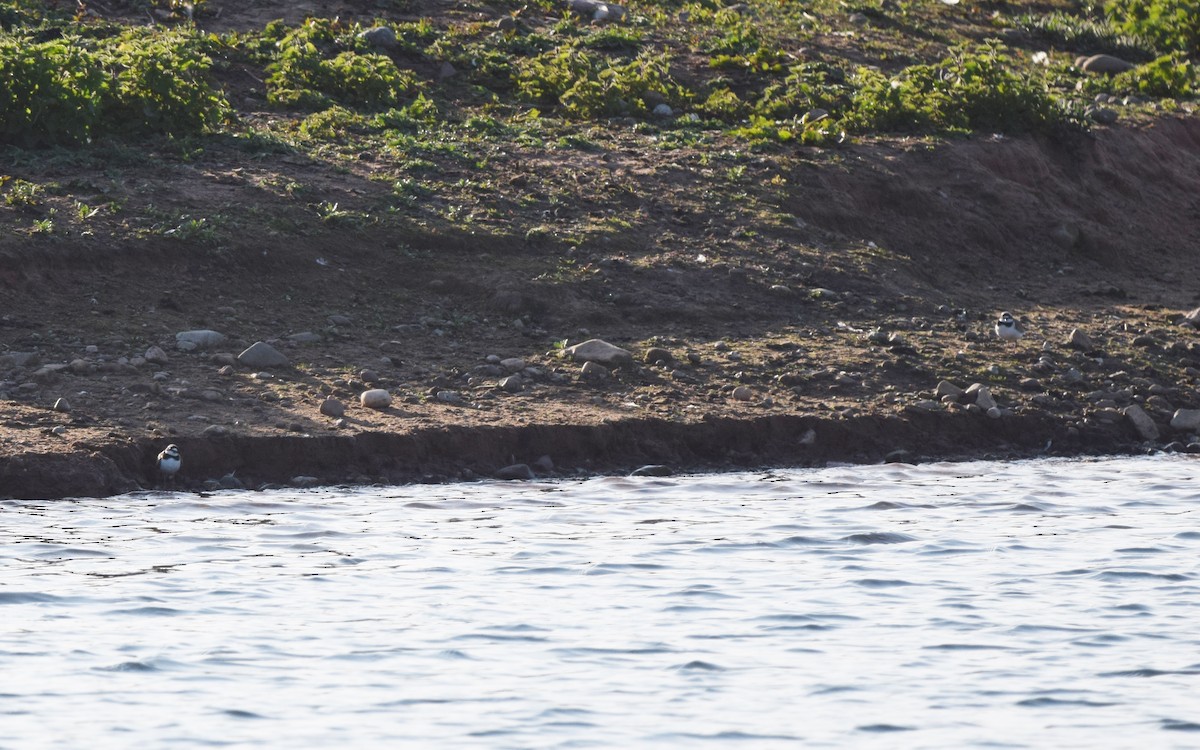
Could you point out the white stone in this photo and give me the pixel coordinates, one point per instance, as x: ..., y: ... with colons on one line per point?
x: 742, y: 393
x: 600, y: 352
x: 376, y: 398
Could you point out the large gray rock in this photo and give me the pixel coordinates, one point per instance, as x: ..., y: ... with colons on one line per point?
x: 376, y: 398
x: 601, y: 352
x: 1141, y: 422
x: 1186, y: 420
x: 261, y: 354
x: 981, y: 396
x: 200, y: 339
x: 380, y: 36
x: 946, y: 388
x: 331, y: 407
x: 1105, y: 64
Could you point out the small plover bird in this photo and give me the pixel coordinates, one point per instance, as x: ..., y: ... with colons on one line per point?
x: 1008, y: 328
x: 169, y: 463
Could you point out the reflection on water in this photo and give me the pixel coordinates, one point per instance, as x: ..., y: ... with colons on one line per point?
x: 1036, y: 604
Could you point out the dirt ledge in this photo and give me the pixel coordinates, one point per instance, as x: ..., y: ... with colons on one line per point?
x: 464, y: 453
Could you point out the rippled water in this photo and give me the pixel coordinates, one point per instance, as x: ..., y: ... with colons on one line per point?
x: 1035, y: 604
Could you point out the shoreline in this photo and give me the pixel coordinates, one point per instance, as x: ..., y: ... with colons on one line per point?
x: 436, y: 455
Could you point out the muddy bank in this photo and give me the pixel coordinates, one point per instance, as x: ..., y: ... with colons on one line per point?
x: 465, y: 453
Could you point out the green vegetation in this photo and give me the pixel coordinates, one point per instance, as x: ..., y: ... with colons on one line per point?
x: 1170, y: 24
x: 75, y: 88
x: 462, y: 114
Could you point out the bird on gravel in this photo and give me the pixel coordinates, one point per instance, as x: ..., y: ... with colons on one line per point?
x: 1007, y: 327
x: 169, y: 463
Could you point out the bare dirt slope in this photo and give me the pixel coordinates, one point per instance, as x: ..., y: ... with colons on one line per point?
x: 925, y: 241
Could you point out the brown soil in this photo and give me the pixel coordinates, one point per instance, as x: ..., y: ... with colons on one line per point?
x: 927, y: 240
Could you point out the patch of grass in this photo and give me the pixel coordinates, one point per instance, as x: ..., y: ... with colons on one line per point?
x: 1170, y: 76
x: 1086, y: 36
x: 1170, y: 24
x: 316, y: 69
x: 72, y: 89
x: 973, y: 89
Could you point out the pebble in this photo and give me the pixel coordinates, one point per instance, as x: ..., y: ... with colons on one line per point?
x: 199, y: 339
x: 370, y: 377
x: 339, y: 320
x: 663, y: 110
x: 1103, y: 115
x: 155, y: 355
x: 995, y: 412
x: 601, y: 352
x: 59, y: 430
x: 449, y: 397
x: 261, y: 354
x: 593, y: 371
x: 1192, y: 318
x: 1079, y: 340
x: 375, y: 398
x: 303, y: 480
x: 305, y: 337
x: 742, y: 393
x: 656, y: 355
x: 512, y: 364
x: 62, y: 405
x: 225, y: 371
x: 331, y: 407
x: 513, y: 383
x: 215, y: 430
x: 981, y: 396
x: 82, y: 367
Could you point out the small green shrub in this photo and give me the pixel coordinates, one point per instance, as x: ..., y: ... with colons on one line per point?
x: 970, y: 90
x: 71, y: 90
x: 586, y: 85
x: 313, y: 70
x: 1085, y: 35
x: 1170, y: 24
x: 762, y: 131
x: 1170, y: 76
x: 808, y: 86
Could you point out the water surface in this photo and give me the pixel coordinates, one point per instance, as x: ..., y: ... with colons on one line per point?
x: 1031, y: 604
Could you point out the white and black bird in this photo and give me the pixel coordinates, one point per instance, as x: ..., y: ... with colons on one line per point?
x: 169, y: 463
x: 1007, y: 327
